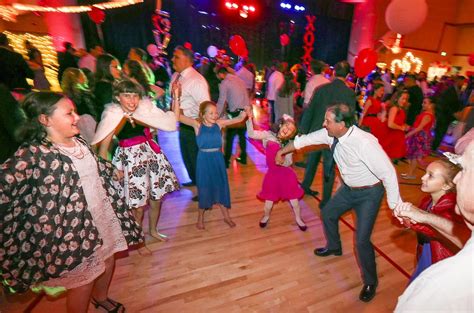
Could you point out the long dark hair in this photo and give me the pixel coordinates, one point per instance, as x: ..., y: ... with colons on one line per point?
x: 137, y: 72
x: 34, y: 105
x: 103, y: 68
x: 289, y: 85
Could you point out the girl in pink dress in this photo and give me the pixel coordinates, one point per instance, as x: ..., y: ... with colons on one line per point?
x: 273, y: 190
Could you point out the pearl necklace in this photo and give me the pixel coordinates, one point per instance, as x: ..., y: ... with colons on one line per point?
x: 77, y: 151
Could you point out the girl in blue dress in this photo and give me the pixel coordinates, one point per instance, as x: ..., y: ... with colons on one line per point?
x: 211, y: 175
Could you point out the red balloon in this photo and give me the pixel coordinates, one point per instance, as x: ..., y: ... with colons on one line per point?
x: 469, y: 73
x: 471, y: 59
x: 365, y: 62
x: 284, y: 40
x: 188, y: 45
x: 237, y: 45
x: 96, y: 15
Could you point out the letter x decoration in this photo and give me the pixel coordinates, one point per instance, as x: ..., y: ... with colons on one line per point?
x: 308, y: 39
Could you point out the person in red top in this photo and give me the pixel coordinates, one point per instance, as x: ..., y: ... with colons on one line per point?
x: 393, y: 142
x: 419, y: 137
x: 373, y: 109
x: 432, y: 245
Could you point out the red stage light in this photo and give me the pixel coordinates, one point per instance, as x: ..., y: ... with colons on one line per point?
x: 228, y: 5
x: 235, y: 5
x: 246, y: 7
x: 252, y: 8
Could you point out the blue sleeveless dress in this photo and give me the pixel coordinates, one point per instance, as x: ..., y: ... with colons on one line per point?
x: 211, y: 174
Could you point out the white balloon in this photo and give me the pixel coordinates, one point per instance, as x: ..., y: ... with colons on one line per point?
x: 152, y: 50
x: 406, y: 16
x: 212, y: 51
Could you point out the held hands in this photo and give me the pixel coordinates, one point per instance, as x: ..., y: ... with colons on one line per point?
x: 242, y: 116
x: 279, y: 158
x: 408, y: 213
x: 117, y: 175
x: 248, y: 110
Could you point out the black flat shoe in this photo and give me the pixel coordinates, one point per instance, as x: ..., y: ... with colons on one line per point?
x: 367, y: 293
x: 188, y: 184
x: 263, y: 224
x: 108, y: 305
x: 302, y: 227
x: 195, y: 198
x: 242, y: 161
x: 327, y: 252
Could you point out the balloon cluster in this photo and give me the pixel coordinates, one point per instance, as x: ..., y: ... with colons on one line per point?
x: 238, y: 46
x: 162, y: 24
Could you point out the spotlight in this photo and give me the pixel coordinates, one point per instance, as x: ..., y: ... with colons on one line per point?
x: 252, y: 8
x: 246, y: 7
x: 228, y: 5
x: 235, y: 5
x: 243, y: 14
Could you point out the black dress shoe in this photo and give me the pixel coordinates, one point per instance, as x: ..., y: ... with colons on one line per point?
x: 300, y: 164
x: 189, y: 184
x: 310, y: 192
x: 242, y: 161
x: 195, y: 198
x: 327, y: 252
x: 367, y: 293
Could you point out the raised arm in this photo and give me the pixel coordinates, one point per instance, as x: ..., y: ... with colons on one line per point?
x: 367, y: 105
x: 239, y: 119
x: 104, y: 146
x: 256, y: 134
x: 179, y: 114
x: 391, y: 119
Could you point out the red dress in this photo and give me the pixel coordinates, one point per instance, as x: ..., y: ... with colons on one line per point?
x: 371, y: 120
x: 419, y: 145
x: 393, y: 141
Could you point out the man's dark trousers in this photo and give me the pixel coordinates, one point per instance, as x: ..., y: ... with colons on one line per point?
x: 366, y: 203
x: 312, y: 162
x: 189, y: 149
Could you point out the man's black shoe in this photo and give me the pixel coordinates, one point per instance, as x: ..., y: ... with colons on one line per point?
x: 367, y: 293
x: 189, y: 184
x: 327, y: 252
x: 310, y: 192
x: 242, y: 161
x: 195, y: 198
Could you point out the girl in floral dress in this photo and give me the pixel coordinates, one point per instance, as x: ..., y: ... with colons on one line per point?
x: 62, y: 217
x: 147, y: 172
x: 419, y: 137
x: 273, y: 188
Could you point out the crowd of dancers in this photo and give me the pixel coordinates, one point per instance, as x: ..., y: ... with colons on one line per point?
x: 88, y: 163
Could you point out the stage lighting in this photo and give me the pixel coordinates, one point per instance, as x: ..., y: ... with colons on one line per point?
x: 235, y: 6
x: 228, y: 5
x: 252, y: 8
x: 246, y: 7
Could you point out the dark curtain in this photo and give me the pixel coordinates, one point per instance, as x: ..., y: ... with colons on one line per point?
x: 207, y: 22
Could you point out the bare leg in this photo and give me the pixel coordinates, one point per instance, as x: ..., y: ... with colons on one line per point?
x: 154, y: 216
x: 295, y: 204
x: 200, y: 221
x: 267, y: 208
x: 77, y: 299
x: 138, y: 213
x: 102, y: 283
x: 225, y: 213
x: 411, y: 169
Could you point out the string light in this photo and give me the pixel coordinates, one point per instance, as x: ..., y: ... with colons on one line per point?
x: 44, y: 43
x: 10, y: 12
x: 397, y: 45
x: 406, y: 63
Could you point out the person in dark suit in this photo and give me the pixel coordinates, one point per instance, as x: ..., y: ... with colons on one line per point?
x: 14, y: 69
x: 416, y: 98
x: 11, y: 117
x: 313, y: 119
x: 66, y: 59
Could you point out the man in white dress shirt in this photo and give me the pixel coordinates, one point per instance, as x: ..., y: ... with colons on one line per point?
x: 194, y: 91
x: 448, y: 286
x: 247, y: 76
x: 275, y: 81
x: 365, y: 170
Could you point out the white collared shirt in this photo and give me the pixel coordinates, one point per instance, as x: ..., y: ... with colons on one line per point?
x: 194, y: 91
x: 313, y: 83
x: 275, y: 81
x: 360, y: 159
x: 232, y: 91
x: 247, y: 76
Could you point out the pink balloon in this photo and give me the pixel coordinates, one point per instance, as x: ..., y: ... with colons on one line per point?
x: 471, y: 59
x: 365, y: 62
x: 406, y: 16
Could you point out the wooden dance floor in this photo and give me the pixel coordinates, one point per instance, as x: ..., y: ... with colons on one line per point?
x: 249, y: 269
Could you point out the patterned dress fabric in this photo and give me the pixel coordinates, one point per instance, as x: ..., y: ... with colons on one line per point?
x: 280, y: 182
x: 46, y: 226
x: 211, y: 174
x: 419, y: 145
x: 104, y: 219
x: 147, y: 174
